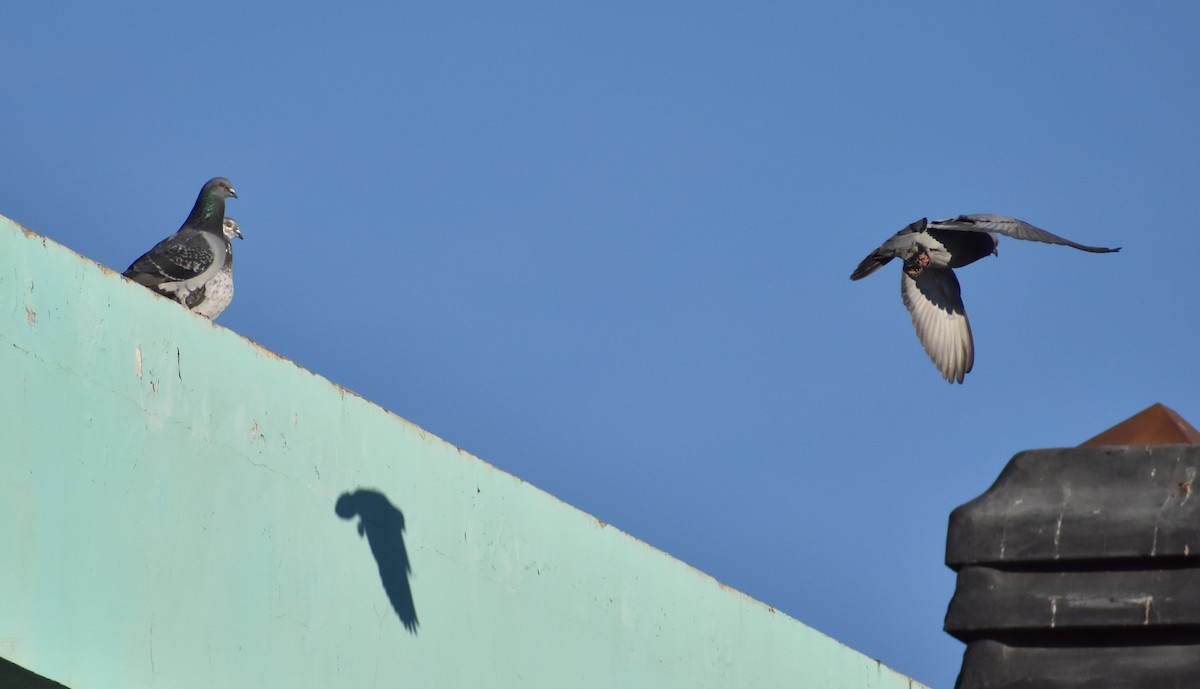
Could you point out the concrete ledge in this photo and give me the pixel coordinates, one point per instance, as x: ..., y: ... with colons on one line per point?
x: 181, y: 508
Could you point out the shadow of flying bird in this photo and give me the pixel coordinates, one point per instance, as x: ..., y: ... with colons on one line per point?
x: 382, y: 524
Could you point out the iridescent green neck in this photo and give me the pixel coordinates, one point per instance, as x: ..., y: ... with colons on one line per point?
x: 211, y: 206
x: 208, y: 213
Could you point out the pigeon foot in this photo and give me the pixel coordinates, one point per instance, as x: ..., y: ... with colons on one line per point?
x: 916, y: 264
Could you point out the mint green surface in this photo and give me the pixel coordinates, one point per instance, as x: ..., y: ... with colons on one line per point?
x: 167, y: 493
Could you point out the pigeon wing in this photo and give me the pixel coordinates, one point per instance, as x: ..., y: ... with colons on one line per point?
x: 878, y: 259
x: 934, y: 300
x: 182, y: 256
x: 1011, y: 227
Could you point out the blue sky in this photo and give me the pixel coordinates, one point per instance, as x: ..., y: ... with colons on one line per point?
x: 606, y: 246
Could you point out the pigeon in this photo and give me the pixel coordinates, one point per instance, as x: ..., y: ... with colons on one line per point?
x: 930, y: 251
x: 188, y: 259
x: 210, y: 299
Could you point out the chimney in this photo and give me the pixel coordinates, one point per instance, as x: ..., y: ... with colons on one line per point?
x: 1080, y: 567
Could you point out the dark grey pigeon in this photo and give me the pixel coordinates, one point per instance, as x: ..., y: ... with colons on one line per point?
x: 213, y: 297
x: 930, y: 250
x: 188, y: 259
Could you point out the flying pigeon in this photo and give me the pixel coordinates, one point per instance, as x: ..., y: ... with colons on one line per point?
x: 188, y: 259
x: 211, y: 298
x: 930, y: 250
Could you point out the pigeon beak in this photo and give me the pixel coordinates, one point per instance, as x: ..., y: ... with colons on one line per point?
x: 232, y: 192
x: 237, y: 232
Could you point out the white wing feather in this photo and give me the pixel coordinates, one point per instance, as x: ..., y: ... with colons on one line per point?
x: 934, y: 301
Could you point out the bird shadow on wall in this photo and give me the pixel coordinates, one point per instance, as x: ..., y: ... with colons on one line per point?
x: 382, y: 523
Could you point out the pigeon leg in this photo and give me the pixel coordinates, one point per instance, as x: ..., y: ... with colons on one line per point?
x: 914, y: 265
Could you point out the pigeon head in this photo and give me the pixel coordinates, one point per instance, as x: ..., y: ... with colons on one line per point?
x: 209, y: 211
x: 231, y: 229
x: 219, y: 186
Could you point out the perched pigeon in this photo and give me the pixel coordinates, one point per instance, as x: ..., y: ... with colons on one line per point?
x: 929, y: 287
x: 210, y: 299
x: 188, y: 259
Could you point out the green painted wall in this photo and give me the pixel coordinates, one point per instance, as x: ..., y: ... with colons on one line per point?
x: 167, y: 519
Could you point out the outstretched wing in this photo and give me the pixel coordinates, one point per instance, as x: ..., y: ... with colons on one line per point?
x: 934, y: 301
x: 1011, y: 227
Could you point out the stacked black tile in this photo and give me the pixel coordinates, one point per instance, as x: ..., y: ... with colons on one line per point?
x: 1081, y: 568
